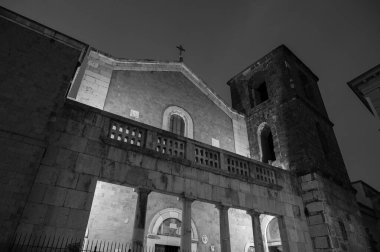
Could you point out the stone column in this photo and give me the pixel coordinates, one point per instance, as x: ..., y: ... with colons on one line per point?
x: 225, y: 243
x: 186, y: 224
x: 140, y: 215
x: 256, y: 227
x: 283, y: 234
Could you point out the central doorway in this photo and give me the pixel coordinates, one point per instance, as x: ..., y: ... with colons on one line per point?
x: 165, y: 248
x: 164, y: 231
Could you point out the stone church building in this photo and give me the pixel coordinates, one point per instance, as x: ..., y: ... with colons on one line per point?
x: 143, y: 152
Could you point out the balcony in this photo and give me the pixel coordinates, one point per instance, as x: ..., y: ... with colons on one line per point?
x: 128, y: 134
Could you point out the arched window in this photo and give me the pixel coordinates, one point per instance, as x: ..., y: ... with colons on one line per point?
x: 177, y: 125
x: 266, y: 144
x: 178, y: 121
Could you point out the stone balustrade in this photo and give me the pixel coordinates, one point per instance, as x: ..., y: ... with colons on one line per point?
x: 126, y: 132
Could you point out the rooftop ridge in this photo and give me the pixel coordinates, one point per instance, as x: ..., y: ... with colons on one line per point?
x: 183, y: 68
x: 42, y: 29
x: 274, y: 51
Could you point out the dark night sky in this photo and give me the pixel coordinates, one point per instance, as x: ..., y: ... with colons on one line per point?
x: 337, y: 39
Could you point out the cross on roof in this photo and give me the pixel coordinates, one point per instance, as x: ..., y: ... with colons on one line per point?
x: 181, y: 49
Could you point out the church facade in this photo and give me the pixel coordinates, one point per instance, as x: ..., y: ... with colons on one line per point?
x: 144, y: 153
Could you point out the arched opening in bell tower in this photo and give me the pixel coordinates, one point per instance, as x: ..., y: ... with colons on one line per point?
x: 266, y: 144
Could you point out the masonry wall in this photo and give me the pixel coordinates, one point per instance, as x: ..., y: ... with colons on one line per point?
x: 112, y: 213
x: 148, y: 88
x: 78, y: 155
x: 327, y: 204
x: 291, y: 116
x: 372, y: 226
x: 36, y: 68
x: 133, y: 89
x: 113, y: 209
x: 304, y: 142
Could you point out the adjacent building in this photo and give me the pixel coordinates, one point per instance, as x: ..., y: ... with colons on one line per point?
x: 367, y: 88
x: 368, y: 200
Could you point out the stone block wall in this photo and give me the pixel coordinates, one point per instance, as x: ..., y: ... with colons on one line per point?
x: 92, y: 83
x: 19, y: 163
x: 112, y: 213
x: 123, y: 87
x: 130, y: 90
x: 113, y: 209
x: 36, y: 67
x: 54, y: 151
x: 303, y: 136
x: 333, y: 216
x: 304, y: 142
x: 78, y: 155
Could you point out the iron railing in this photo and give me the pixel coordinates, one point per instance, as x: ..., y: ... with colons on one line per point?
x: 46, y: 243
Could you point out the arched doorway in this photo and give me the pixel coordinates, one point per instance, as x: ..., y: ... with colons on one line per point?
x: 164, y: 232
x: 272, y: 235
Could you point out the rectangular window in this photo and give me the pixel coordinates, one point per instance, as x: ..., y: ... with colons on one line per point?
x: 261, y: 93
x: 258, y: 94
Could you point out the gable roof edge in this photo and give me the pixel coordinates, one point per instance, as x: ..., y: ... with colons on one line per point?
x: 154, y: 65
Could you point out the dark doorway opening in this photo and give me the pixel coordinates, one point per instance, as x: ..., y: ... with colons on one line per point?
x: 165, y: 248
x: 267, y: 146
x: 258, y: 93
x: 261, y: 93
x: 275, y: 248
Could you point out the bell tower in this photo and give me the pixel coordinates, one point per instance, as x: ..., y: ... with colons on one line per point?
x: 288, y: 127
x: 287, y: 122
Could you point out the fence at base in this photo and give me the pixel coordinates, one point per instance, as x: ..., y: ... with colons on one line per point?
x: 55, y: 243
x: 46, y: 243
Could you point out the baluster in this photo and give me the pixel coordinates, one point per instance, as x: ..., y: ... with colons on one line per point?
x: 189, y: 149
x: 223, y: 161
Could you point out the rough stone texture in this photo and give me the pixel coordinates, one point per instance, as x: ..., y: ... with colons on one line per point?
x: 69, y: 170
x: 139, y: 86
x: 36, y: 68
x: 106, y: 83
x: 112, y: 213
x: 327, y: 205
x: 286, y: 107
x: 55, y: 150
x: 369, y: 205
x: 304, y: 142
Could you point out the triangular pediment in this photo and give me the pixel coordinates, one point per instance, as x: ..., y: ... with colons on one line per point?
x: 96, y: 57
